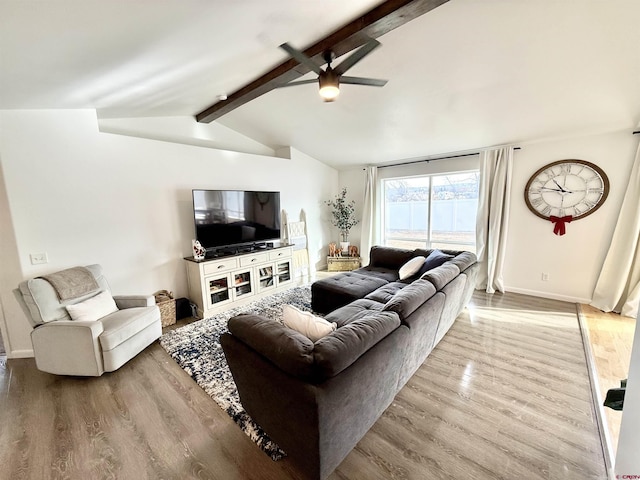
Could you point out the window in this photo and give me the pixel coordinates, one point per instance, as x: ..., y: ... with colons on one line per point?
x: 431, y: 211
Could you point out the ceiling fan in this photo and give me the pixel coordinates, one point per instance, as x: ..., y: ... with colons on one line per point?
x: 330, y: 78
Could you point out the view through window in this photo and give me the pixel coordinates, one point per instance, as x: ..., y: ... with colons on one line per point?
x: 432, y: 211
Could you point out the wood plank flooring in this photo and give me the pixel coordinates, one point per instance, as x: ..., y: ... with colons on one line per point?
x: 611, y: 339
x: 504, y: 396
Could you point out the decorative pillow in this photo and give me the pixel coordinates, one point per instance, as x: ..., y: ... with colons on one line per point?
x: 410, y: 268
x: 93, y: 308
x: 312, y: 327
x: 435, y: 259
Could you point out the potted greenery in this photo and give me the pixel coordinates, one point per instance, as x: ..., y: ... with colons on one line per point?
x: 344, y: 216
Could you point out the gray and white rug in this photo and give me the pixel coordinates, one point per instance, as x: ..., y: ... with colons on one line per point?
x: 196, y: 348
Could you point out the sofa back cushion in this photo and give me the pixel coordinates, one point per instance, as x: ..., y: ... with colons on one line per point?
x: 42, y: 300
x: 389, y: 257
x: 407, y: 300
x: 442, y: 275
x: 289, y: 350
x: 339, y: 349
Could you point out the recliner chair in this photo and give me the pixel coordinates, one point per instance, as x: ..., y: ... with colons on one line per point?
x: 86, y: 348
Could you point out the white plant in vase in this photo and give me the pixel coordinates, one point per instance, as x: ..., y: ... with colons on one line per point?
x: 343, y: 216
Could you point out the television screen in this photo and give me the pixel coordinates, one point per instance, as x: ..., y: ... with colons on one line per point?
x: 225, y: 218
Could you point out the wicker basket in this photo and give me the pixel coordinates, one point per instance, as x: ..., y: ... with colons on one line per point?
x: 167, y: 305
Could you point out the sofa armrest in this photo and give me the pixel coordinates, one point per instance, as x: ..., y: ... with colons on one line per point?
x: 66, y: 347
x: 341, y: 348
x: 131, y: 301
x: 289, y: 350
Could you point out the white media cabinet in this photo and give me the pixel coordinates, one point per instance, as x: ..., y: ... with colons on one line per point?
x: 220, y: 283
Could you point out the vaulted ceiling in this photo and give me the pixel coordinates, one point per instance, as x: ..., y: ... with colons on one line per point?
x: 468, y: 74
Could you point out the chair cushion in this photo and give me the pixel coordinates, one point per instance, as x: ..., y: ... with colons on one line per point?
x: 407, y: 300
x: 93, y: 308
x: 333, y: 292
x: 43, y: 302
x: 123, y: 324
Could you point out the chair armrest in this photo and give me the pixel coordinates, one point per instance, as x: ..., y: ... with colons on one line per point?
x: 131, y: 301
x: 66, y: 347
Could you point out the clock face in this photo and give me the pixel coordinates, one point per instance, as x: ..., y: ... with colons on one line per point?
x: 573, y: 188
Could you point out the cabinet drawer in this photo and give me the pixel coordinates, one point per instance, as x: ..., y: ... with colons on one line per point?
x: 248, y: 260
x: 280, y: 253
x: 220, y: 266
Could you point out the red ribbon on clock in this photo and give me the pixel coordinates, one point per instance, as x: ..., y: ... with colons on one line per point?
x: 559, y: 222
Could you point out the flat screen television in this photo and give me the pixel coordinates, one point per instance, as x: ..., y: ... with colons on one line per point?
x: 234, y: 218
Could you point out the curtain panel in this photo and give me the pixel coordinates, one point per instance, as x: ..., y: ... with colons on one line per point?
x: 496, y: 167
x: 618, y: 286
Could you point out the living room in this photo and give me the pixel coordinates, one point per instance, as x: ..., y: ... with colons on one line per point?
x: 73, y: 186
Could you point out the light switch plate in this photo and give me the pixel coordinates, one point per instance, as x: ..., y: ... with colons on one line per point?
x: 39, y: 258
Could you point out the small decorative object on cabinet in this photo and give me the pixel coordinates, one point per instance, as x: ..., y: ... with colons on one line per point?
x: 565, y: 191
x: 198, y: 251
x: 228, y: 281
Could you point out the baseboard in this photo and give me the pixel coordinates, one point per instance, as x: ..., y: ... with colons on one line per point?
x: 20, y: 354
x: 552, y: 296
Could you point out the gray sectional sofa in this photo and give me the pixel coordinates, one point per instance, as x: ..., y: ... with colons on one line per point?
x: 317, y: 400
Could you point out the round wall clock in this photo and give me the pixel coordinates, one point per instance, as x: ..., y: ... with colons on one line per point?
x: 566, y: 190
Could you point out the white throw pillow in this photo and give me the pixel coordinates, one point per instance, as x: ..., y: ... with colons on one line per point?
x: 411, y: 267
x: 93, y: 308
x: 312, y: 327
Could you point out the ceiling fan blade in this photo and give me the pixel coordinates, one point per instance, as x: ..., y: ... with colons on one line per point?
x: 301, y: 58
x: 370, y: 82
x: 299, y: 82
x: 356, y: 56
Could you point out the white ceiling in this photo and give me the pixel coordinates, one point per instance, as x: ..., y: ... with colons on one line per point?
x: 467, y: 75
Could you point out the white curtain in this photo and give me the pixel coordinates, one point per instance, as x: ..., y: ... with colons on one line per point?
x: 618, y: 286
x: 492, y: 220
x: 367, y: 237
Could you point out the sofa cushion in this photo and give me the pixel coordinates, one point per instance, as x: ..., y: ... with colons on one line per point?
x: 93, y: 308
x: 353, y: 311
x: 332, y: 293
x: 124, y: 324
x: 306, y: 323
x: 386, y: 274
x: 335, y: 352
x: 289, y: 350
x: 389, y: 257
x: 407, y: 300
x: 442, y: 275
x: 384, y: 293
x: 410, y: 268
x: 464, y: 260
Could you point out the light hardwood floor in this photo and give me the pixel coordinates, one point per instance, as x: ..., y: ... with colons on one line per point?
x: 505, y: 395
x: 611, y: 340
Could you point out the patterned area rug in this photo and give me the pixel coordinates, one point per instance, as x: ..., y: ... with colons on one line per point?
x: 196, y: 348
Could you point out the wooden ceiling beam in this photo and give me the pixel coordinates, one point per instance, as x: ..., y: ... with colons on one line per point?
x: 373, y: 24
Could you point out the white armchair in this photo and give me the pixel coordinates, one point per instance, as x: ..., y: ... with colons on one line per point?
x: 87, y: 348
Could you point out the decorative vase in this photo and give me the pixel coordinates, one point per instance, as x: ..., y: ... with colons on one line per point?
x: 198, y: 251
x: 345, y: 248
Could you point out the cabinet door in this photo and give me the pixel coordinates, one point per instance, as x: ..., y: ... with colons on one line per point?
x: 242, y: 283
x: 217, y: 290
x: 266, y: 277
x: 283, y: 272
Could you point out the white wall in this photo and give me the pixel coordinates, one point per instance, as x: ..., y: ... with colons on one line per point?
x: 84, y: 197
x: 572, y: 261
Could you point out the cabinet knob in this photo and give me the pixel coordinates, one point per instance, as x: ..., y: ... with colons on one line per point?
x: 253, y: 259
x: 220, y: 266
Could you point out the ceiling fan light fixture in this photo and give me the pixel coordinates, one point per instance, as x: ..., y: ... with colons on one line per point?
x: 329, y: 85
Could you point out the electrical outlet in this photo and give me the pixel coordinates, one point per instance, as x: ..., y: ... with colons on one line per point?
x: 38, y: 258
x: 545, y: 277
